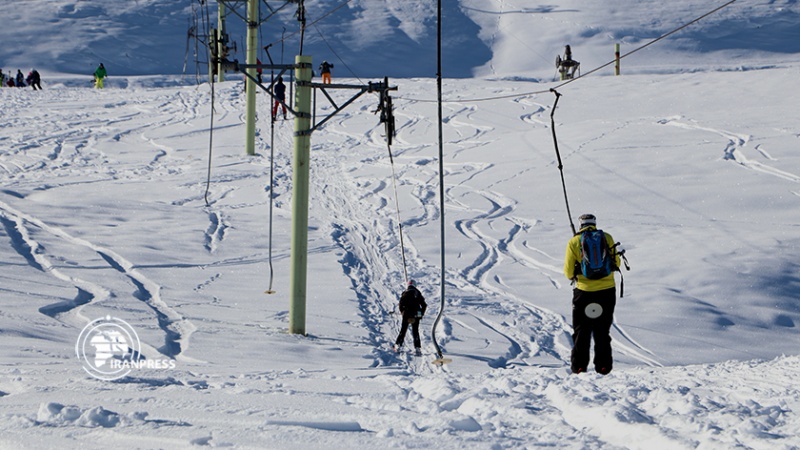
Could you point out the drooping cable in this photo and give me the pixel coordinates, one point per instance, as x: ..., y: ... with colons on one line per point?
x: 324, y: 16
x: 271, y: 178
x: 641, y: 47
x: 387, y: 119
x: 584, y: 75
x: 558, y: 156
x: 211, y: 60
x: 330, y: 47
x: 210, y: 144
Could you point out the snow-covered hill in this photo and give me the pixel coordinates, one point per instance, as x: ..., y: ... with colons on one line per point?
x: 691, y: 163
x: 397, y: 38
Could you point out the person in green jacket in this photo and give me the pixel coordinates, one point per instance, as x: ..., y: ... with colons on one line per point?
x: 593, y: 302
x: 99, y: 75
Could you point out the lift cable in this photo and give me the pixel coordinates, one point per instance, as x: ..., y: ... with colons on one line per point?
x: 584, y: 75
x: 387, y: 118
x: 440, y: 360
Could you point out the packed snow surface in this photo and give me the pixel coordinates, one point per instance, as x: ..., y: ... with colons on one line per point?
x: 108, y: 209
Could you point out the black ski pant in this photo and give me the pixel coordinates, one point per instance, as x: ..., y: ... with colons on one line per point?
x: 585, y: 327
x: 414, y: 332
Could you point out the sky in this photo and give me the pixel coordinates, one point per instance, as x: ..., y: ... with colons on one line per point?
x: 110, y: 216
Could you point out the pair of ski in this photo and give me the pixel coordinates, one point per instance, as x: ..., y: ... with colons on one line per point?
x: 398, y: 350
x: 418, y: 352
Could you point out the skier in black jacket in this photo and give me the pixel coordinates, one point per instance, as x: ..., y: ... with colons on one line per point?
x: 412, y: 306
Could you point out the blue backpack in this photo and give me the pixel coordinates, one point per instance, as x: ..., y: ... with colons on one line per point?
x: 597, y: 261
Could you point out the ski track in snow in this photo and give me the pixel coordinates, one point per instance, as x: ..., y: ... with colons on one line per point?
x: 177, y: 329
x: 69, y: 149
x: 364, y: 230
x: 735, y: 149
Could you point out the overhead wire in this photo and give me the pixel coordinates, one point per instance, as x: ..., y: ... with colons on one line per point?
x: 397, y: 207
x: 386, y: 109
x: 663, y: 36
x: 584, y: 75
x: 287, y: 36
x: 336, y: 54
x: 555, y: 105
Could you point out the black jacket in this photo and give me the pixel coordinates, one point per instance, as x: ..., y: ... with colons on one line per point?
x: 280, y: 91
x: 412, y: 302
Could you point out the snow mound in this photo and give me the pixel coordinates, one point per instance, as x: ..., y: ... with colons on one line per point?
x: 58, y: 415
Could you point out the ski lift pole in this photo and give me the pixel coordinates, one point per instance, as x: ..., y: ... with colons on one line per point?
x: 300, y: 182
x: 250, y: 86
x: 221, y: 41
x: 558, y: 156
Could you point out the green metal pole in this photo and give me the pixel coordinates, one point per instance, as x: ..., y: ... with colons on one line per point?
x: 300, y: 181
x: 220, y: 37
x: 252, y: 55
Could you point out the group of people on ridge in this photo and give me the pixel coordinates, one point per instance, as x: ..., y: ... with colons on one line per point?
x: 33, y: 79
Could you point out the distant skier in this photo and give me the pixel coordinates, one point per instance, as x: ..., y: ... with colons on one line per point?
x: 280, y: 98
x: 20, y: 79
x: 593, y: 299
x: 99, y: 75
x: 2, y: 79
x: 412, y: 306
x: 34, y: 80
x: 325, y: 70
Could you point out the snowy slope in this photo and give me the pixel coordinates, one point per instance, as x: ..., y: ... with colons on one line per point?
x: 376, y: 38
x: 103, y: 212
